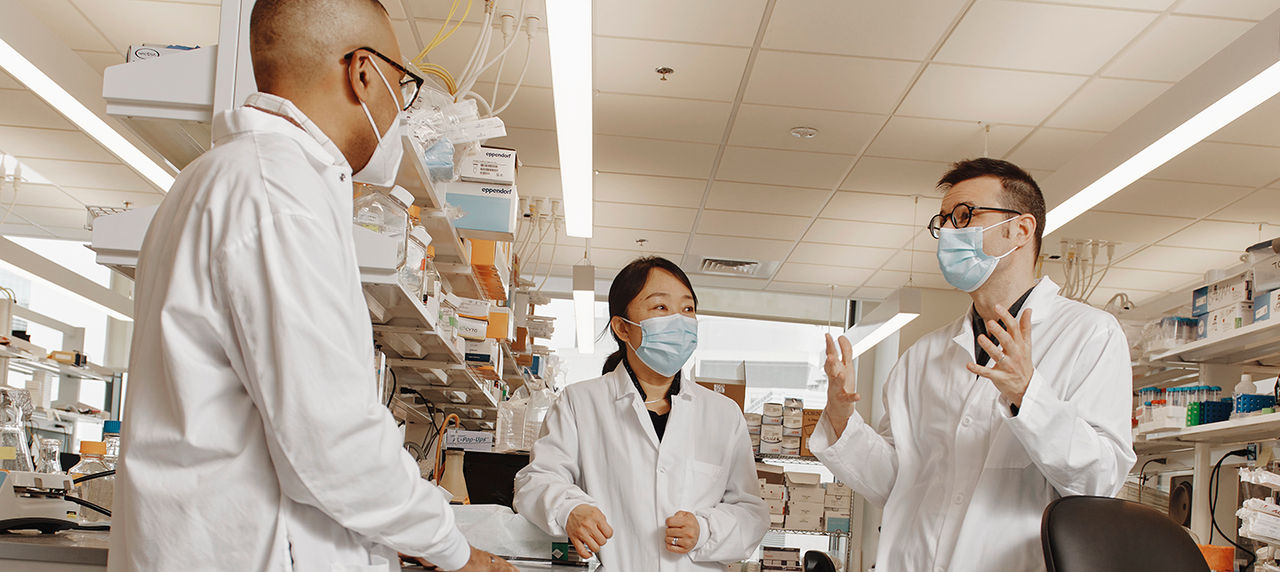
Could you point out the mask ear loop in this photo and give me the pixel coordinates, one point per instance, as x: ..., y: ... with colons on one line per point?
x: 1001, y: 257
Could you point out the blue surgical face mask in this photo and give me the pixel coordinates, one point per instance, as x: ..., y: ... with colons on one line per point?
x: 960, y: 256
x: 668, y: 342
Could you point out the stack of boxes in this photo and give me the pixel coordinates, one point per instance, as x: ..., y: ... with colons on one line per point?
x: 1266, y: 286
x: 771, y: 430
x: 754, y: 424
x: 1223, y: 306
x: 783, y: 428
x: 781, y: 560
x: 792, y: 426
x: 775, y: 495
x: 806, y: 501
x: 837, y: 503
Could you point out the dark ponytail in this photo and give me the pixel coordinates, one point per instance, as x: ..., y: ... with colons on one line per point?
x: 626, y: 286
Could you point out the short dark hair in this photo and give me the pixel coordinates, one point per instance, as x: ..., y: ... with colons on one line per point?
x: 627, y: 285
x: 1021, y: 193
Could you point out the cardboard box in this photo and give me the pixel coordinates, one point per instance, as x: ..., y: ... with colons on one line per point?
x: 808, y: 495
x: 768, y: 491
x: 776, y: 506
x: 771, y: 434
x: 806, y: 509
x: 489, y: 211
x: 1202, y: 327
x: 837, y: 501
x: 488, y: 165
x: 796, y: 432
x: 733, y: 389
x: 472, y: 308
x: 784, y: 554
x: 793, y: 479
x: 771, y: 420
x: 484, y: 352
x: 768, y: 448
x: 811, y: 418
x: 837, y: 512
x: 773, y: 410
x: 776, y: 520
x: 837, y: 524
x: 1200, y: 301
x: 471, y: 329
x: 499, y: 324
x: 838, y: 489
x: 1266, y: 306
x: 772, y: 474
x: 804, y: 522
x: 1230, y: 291
x: 1228, y: 319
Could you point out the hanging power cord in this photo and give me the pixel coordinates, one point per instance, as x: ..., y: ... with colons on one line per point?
x: 1143, y: 476
x: 523, y: 70
x: 394, y: 383
x: 1214, y: 483
x: 88, y: 505
x: 551, y: 262
x: 420, y: 61
x: 469, y: 81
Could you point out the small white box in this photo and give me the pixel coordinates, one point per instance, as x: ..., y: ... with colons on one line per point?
x: 1230, y: 291
x: 472, y: 329
x: 475, y: 309
x: 484, y: 352
x: 837, y: 501
x: 767, y: 448
x: 776, y: 506
x: 776, y: 492
x: 771, y: 434
x: 802, y: 479
x: 804, y: 522
x: 806, y: 508
x: 1266, y: 306
x: 806, y: 495
x: 152, y: 51
x: 836, y: 513
x: 838, y: 489
x: 489, y: 211
x: 776, y: 520
x: 488, y: 165
x: 1229, y: 318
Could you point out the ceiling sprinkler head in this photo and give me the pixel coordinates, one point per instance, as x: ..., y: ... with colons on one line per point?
x: 804, y: 132
x: 663, y: 71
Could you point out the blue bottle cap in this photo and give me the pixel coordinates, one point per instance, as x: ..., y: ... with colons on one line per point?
x: 111, y: 427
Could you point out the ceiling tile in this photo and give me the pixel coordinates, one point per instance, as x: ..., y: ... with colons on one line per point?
x: 840, y: 255
x: 1040, y: 37
x: 896, y: 176
x: 1104, y: 103
x: 1246, y: 9
x: 534, y: 147
x: 51, y: 216
x: 1126, y: 228
x: 943, y: 140
x: 769, y: 126
x: 896, y: 279
x: 1050, y: 148
x: 625, y: 238
x: 1165, y: 52
x: 661, y: 191
x: 1180, y: 259
x: 739, y: 248
x: 1148, y: 5
x: 914, y: 261
x: 727, y: 282
x: 1261, y: 206
x: 872, y: 293
x: 1220, y: 235
x: 532, y: 107
x: 761, y: 225
x: 729, y: 22
x: 23, y: 229
x: 70, y: 25
x: 25, y: 142
x: 1130, y: 279
x: 108, y: 198
x: 990, y: 95
x: 1223, y: 163
x: 1173, y: 198
x: 7, y: 81
x: 100, y: 61
x: 730, y: 196
x: 409, y: 46
x: 609, y: 258
x: 804, y: 288
x: 37, y: 195
x: 823, y: 274
x: 775, y: 167
x: 661, y: 117
x: 859, y: 233
x: 453, y: 53
x: 90, y: 175
x: 701, y: 72
x: 647, y: 217
x: 871, y: 207
x: 828, y: 82
x: 24, y: 109
x: 540, y: 182
x: 1257, y: 127
x: 651, y: 157
x: 902, y: 29
x: 127, y: 22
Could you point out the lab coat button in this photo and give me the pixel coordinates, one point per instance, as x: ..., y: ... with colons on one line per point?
x: 959, y: 499
x: 342, y: 177
x: 967, y: 421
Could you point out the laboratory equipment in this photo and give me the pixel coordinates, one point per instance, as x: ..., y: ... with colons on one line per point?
x: 14, y: 453
x: 36, y: 501
x: 412, y: 272
x: 454, y: 479
x: 111, y: 438
x: 49, y: 457
x: 99, y: 491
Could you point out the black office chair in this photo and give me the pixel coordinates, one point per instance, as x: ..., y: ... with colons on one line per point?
x: 1103, y: 534
x: 815, y: 561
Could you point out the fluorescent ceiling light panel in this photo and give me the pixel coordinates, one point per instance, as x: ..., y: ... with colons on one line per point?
x: 584, y: 306
x: 1222, y: 112
x: 569, y: 37
x: 897, y: 310
x: 882, y: 331
x: 35, y: 80
x: 43, y: 283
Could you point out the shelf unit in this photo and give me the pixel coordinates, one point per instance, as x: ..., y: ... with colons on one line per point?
x: 788, y: 459
x: 840, y: 534
x: 1253, y: 345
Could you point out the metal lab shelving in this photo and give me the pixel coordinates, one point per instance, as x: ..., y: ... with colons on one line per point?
x: 1254, y: 345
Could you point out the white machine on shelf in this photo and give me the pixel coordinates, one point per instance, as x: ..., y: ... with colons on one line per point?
x: 36, y: 501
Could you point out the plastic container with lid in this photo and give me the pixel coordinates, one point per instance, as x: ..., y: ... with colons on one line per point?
x: 111, y: 438
x: 99, y: 491
x: 386, y: 213
x: 412, y: 272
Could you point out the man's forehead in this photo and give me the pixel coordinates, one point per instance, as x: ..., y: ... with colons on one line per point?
x: 979, y: 191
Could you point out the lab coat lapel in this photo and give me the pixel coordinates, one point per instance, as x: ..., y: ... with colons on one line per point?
x: 679, y: 421
x: 626, y: 397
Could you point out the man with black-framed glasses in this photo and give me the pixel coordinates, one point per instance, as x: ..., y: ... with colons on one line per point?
x: 256, y: 440
x: 1020, y: 401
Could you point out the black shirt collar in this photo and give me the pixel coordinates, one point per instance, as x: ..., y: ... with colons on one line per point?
x: 673, y: 390
x: 980, y: 326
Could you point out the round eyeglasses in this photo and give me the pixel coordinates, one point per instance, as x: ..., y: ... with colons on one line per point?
x: 960, y: 217
x: 411, y: 83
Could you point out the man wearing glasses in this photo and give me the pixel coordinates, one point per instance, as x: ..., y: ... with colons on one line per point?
x: 255, y: 438
x: 1022, y: 400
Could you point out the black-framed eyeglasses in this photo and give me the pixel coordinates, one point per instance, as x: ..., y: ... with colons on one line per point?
x: 961, y: 216
x: 410, y: 85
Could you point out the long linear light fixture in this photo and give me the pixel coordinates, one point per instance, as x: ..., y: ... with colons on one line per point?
x: 584, y: 306
x: 24, y: 71
x: 569, y: 37
x: 897, y: 310
x: 1230, y: 107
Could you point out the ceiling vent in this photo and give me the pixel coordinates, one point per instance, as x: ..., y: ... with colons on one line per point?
x: 730, y: 267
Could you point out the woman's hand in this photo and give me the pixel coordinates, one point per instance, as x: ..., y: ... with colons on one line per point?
x: 682, y: 532
x: 588, y: 530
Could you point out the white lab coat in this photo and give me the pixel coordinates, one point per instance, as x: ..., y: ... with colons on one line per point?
x: 253, y: 438
x: 962, y: 481
x: 598, y: 447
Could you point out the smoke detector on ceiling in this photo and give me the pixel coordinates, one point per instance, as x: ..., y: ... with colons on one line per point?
x: 732, y: 267
x: 804, y: 132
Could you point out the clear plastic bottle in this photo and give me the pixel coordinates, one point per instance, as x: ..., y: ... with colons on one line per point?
x: 431, y: 279
x: 99, y: 491
x: 15, y: 455
x: 48, y: 459
x: 386, y: 213
x: 369, y: 211
x: 111, y: 438
x: 411, y: 273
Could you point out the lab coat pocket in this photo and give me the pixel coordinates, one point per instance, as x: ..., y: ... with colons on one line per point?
x: 706, y: 484
x: 1006, y: 451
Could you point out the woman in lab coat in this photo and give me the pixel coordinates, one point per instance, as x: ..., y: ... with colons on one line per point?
x: 642, y: 467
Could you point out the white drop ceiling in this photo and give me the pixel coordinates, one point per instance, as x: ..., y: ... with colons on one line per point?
x: 703, y: 164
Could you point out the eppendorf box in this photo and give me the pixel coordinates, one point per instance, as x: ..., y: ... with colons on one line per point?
x: 488, y: 165
x: 489, y: 211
